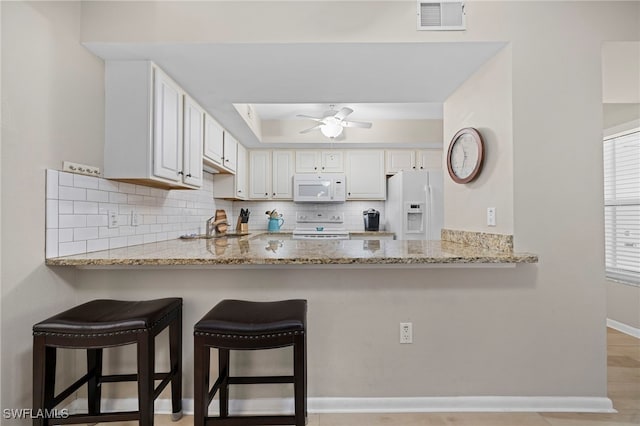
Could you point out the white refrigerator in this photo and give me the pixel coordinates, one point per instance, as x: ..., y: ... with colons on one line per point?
x: 414, y: 209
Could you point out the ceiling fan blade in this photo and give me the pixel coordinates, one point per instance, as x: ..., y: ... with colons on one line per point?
x: 360, y: 124
x: 309, y: 117
x: 317, y: 126
x: 343, y: 113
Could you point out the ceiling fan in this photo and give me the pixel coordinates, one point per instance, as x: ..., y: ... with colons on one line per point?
x: 332, y: 123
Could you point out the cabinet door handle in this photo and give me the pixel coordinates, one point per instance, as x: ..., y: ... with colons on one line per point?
x: 322, y: 167
x: 266, y: 194
x: 274, y: 194
x: 239, y: 191
x: 189, y: 175
x: 414, y: 167
x: 348, y: 193
x: 315, y: 168
x: 180, y: 172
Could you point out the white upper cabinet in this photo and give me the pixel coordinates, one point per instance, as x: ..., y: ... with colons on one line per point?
x: 167, y: 118
x: 429, y: 159
x: 332, y: 162
x: 242, y: 187
x: 230, y: 152
x: 271, y: 175
x: 282, y: 175
x: 365, y: 175
x: 144, y: 128
x: 193, y: 141
x: 397, y: 160
x: 213, y: 141
x: 260, y: 175
x: 405, y: 159
x: 308, y: 161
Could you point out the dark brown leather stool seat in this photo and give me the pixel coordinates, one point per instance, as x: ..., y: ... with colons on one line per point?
x: 100, y: 324
x: 244, y: 325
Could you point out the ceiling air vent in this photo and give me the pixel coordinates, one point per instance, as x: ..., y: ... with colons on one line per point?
x: 441, y: 16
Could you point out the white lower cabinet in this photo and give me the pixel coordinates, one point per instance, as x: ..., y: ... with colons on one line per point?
x: 271, y: 175
x: 365, y: 175
x: 145, y: 128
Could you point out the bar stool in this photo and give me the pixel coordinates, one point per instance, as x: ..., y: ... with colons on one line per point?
x: 243, y: 325
x: 101, y: 324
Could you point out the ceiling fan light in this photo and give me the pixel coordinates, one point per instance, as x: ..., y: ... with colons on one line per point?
x: 331, y: 129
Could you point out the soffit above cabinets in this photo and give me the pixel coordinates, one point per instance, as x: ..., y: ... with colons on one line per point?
x: 386, y: 79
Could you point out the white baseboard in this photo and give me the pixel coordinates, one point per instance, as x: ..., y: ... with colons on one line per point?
x: 381, y: 405
x: 624, y: 328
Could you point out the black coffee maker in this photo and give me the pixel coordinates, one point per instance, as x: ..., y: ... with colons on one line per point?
x: 371, y: 220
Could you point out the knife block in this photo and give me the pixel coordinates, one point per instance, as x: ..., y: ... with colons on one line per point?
x: 242, y: 227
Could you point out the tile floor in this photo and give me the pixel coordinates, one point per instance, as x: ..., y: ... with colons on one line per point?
x: 624, y: 391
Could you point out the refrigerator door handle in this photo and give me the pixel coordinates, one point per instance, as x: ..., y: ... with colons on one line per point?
x: 428, y: 212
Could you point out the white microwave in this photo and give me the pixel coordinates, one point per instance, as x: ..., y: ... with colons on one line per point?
x: 325, y: 188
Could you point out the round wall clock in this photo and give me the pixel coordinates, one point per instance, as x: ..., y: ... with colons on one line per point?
x: 465, y: 155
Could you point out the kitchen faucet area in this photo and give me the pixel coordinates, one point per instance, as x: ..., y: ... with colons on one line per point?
x: 399, y: 212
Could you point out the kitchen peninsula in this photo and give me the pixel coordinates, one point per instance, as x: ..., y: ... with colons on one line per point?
x: 266, y: 249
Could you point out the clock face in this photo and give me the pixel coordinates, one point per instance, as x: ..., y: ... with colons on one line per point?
x: 464, y: 159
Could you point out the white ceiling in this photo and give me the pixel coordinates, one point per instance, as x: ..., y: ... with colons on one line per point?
x: 361, y: 111
x: 410, y: 78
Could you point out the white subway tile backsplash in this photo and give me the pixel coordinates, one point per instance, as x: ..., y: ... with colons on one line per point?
x: 134, y: 240
x: 82, y: 181
x: 52, y: 214
x: 65, y: 179
x: 80, y: 234
x: 85, y: 207
x: 149, y: 238
x: 127, y: 188
x: 69, y: 193
x: 97, y: 220
x: 52, y: 186
x: 65, y: 235
x: 65, y: 207
x: 143, y: 190
x: 117, y: 198
x: 117, y: 242
x: 107, y: 185
x: 97, y: 195
x: 135, y: 199
x: 51, y: 245
x: 83, y: 204
x: 72, y: 221
x: 97, y: 245
x: 75, y: 247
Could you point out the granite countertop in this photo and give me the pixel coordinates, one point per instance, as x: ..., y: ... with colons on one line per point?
x: 279, y: 249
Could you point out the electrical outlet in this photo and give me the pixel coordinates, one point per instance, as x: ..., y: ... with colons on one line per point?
x: 81, y: 169
x: 135, y: 218
x: 113, y: 219
x: 491, y: 216
x: 406, y: 332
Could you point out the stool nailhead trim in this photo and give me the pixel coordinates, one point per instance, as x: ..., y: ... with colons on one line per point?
x: 242, y: 336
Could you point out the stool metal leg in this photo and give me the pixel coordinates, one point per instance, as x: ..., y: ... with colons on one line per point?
x: 94, y: 369
x: 223, y: 372
x: 146, y: 371
x: 201, y: 366
x: 175, y: 355
x: 299, y: 385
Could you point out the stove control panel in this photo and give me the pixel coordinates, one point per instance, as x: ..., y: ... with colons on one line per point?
x: 319, y: 217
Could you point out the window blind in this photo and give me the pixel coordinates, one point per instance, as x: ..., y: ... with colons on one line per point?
x: 622, y: 207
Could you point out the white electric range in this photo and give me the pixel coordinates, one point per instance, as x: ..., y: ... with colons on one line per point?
x: 320, y: 226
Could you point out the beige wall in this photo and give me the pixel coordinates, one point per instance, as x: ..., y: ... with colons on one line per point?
x: 620, y: 71
x: 535, y: 330
x: 484, y: 101
x: 52, y: 110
